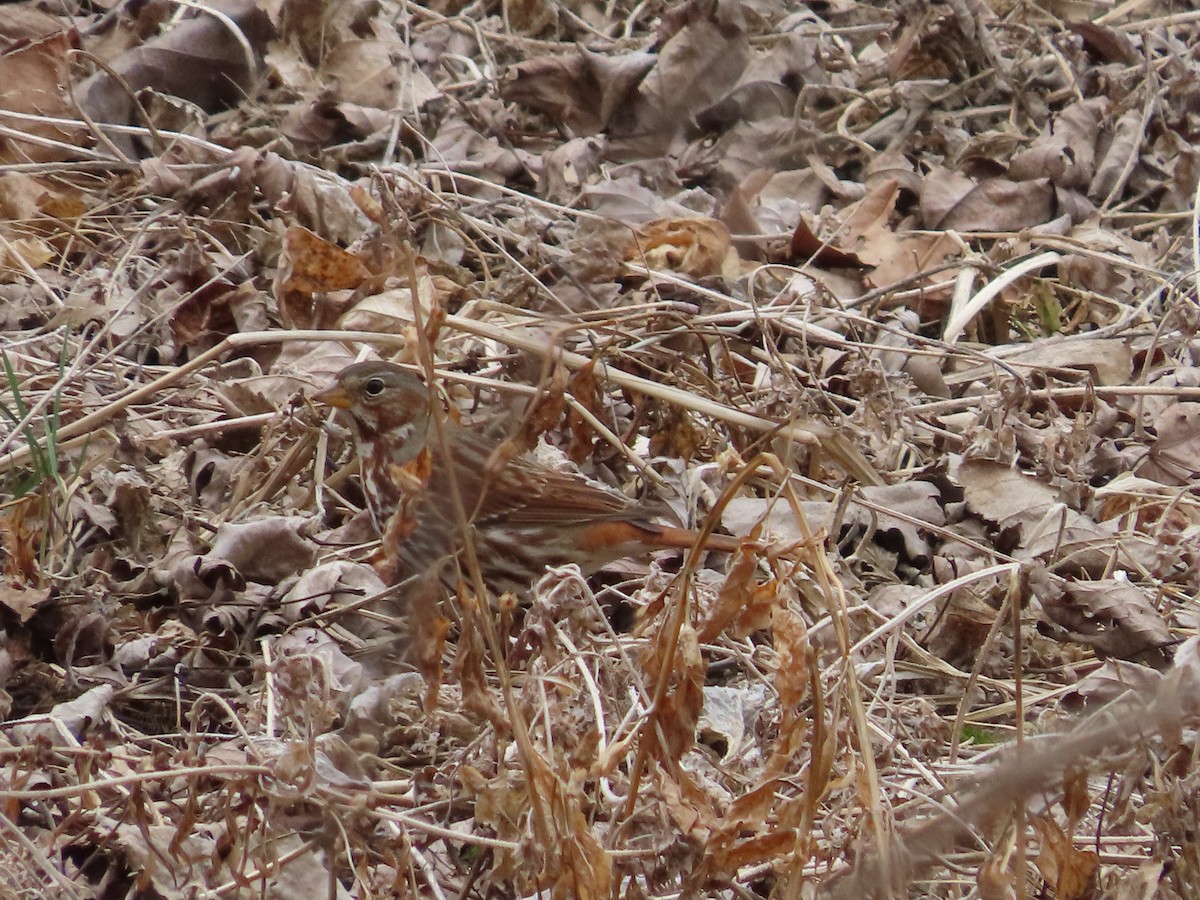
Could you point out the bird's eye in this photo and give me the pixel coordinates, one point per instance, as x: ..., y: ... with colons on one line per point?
x: 373, y: 387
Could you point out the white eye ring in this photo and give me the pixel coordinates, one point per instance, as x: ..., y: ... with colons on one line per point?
x: 373, y: 387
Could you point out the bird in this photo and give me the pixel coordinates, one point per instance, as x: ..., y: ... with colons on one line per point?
x: 523, y: 516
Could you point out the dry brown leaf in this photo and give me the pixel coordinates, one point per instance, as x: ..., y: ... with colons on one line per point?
x: 428, y: 636
x: 1103, y: 44
x: 19, y: 255
x: 181, y: 62
x: 1113, y: 616
x: 1106, y: 360
x: 266, y: 550
x: 32, y: 77
x: 314, y: 264
x: 961, y: 627
x: 30, y: 207
x: 501, y: 804
x: 1113, y: 167
x: 698, y: 248
x: 376, y: 74
x: 22, y: 599
x: 805, y: 246
x: 866, y: 239
x: 24, y: 23
x: 697, y: 66
x: 929, y: 45
x: 21, y: 534
x: 676, y: 718
x: 1152, y: 506
x: 1102, y: 686
x: 690, y: 807
x: 1071, y: 873
x: 1065, y: 151
x: 951, y: 202
x: 543, y: 413
x: 586, y: 392
x: 744, y: 603
x: 727, y: 852
x: 210, y: 312
x: 675, y: 434
x: 391, y: 311
x: 530, y: 16
x: 311, y: 265
x: 1174, y: 457
x: 584, y: 90
x: 1002, y: 494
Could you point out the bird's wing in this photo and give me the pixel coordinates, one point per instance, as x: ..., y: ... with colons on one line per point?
x: 525, y: 493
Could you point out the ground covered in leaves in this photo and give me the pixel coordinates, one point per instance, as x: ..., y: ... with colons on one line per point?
x: 901, y: 293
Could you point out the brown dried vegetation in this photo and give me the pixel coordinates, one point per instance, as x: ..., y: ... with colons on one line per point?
x: 903, y: 293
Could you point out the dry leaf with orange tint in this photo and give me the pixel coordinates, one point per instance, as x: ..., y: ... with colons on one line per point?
x: 730, y: 853
x: 314, y: 264
x: 469, y: 661
x: 908, y: 255
x: 674, y: 434
x: 20, y: 538
x: 683, y: 701
x: 367, y: 204
x: 806, y: 247
x: 576, y: 866
x: 692, y: 810
x: 530, y: 16
x: 695, y: 247
x: 311, y: 265
x: 1149, y: 505
x: 209, y: 312
x: 584, y: 867
x: 895, y: 258
x: 1070, y: 873
x: 19, y: 255
x: 744, y: 604
x: 1103, y: 44
x: 545, y: 411
x: 866, y: 238
x: 584, y: 389
x: 794, y: 652
x: 1076, y: 796
x: 746, y: 834
x: 870, y: 215
x: 24, y: 23
x: 31, y: 208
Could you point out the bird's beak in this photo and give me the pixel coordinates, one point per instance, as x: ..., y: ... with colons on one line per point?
x: 335, y: 396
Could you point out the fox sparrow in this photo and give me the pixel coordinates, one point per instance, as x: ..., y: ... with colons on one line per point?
x: 524, y: 515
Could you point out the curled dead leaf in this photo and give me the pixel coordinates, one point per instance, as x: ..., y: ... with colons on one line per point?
x: 696, y: 247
